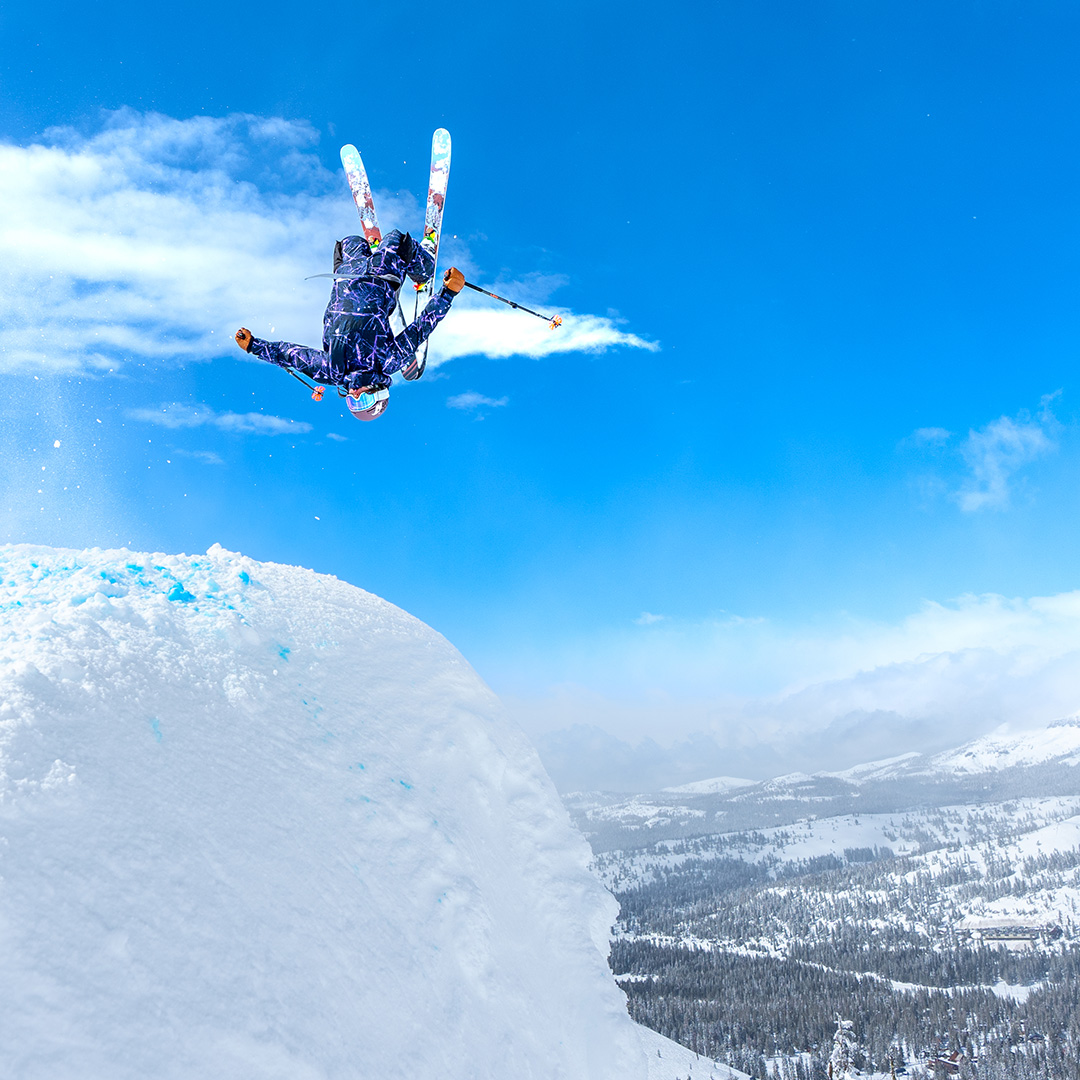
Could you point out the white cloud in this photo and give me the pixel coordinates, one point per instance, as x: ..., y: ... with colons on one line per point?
x: 647, y: 618
x: 944, y: 673
x: 177, y: 416
x: 982, y: 471
x: 207, y: 457
x: 995, y: 453
x: 336, y: 437
x: 929, y: 436
x: 472, y: 400
x: 154, y: 238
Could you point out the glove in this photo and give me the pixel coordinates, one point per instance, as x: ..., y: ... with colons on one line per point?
x: 405, y: 249
x: 453, y: 281
x: 244, y: 338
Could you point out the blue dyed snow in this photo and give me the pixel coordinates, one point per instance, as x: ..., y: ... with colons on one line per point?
x: 404, y: 785
x: 155, y: 726
x: 178, y: 592
x: 243, y: 575
x: 284, y: 653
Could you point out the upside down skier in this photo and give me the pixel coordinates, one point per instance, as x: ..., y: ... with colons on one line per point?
x: 360, y: 351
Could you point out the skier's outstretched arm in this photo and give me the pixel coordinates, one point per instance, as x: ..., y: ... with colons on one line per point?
x: 311, y: 362
x: 417, y: 332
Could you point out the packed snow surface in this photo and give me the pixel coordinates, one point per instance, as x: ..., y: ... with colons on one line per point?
x: 255, y: 822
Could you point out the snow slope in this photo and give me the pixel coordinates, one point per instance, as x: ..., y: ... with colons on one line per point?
x: 1059, y: 742
x: 256, y: 822
x: 669, y: 1060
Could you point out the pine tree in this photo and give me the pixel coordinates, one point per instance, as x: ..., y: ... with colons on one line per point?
x: 840, y: 1063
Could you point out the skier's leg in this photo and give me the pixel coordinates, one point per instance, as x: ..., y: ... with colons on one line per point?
x: 404, y: 346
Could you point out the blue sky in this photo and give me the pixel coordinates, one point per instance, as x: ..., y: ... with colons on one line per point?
x: 808, y: 461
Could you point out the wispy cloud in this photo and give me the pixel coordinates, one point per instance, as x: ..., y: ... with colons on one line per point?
x: 982, y: 470
x: 647, y: 618
x: 207, y: 457
x: 472, y: 400
x: 153, y: 238
x: 176, y: 416
x: 929, y: 436
x: 995, y: 453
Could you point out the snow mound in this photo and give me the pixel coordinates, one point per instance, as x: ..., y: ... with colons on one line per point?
x: 257, y: 822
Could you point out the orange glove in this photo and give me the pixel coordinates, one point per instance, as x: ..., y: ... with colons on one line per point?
x: 244, y: 338
x: 453, y: 280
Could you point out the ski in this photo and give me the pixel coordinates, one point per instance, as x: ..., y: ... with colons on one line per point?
x: 361, y: 193
x: 438, y: 179
x: 436, y: 196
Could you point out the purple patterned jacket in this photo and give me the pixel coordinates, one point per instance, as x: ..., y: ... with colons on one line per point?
x: 359, y: 347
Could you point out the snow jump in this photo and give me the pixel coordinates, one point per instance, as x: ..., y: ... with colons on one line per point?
x: 360, y: 351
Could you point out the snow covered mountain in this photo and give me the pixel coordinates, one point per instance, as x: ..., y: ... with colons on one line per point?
x: 928, y: 899
x: 992, y: 769
x: 256, y: 822
x: 1057, y: 744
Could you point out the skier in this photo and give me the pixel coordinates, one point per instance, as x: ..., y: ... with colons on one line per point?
x: 360, y: 351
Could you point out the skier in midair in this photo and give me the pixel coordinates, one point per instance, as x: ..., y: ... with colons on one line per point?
x: 360, y: 351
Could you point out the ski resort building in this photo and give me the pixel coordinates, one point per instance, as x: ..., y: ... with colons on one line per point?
x: 1011, y: 932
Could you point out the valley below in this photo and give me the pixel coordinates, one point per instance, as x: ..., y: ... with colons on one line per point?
x: 933, y: 902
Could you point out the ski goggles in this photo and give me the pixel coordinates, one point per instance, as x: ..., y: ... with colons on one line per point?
x: 367, y: 404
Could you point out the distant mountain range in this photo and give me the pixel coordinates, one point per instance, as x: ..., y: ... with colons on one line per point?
x: 992, y: 768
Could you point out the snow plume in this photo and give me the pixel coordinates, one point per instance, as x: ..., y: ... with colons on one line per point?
x: 152, y: 239
x: 257, y: 822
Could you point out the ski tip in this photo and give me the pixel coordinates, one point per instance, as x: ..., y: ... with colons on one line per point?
x: 441, y: 136
x: 348, y: 150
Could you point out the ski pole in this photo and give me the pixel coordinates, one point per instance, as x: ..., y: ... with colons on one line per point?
x: 316, y: 390
x: 554, y: 321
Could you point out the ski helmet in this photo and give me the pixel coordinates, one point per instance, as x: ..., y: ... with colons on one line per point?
x: 369, y: 404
